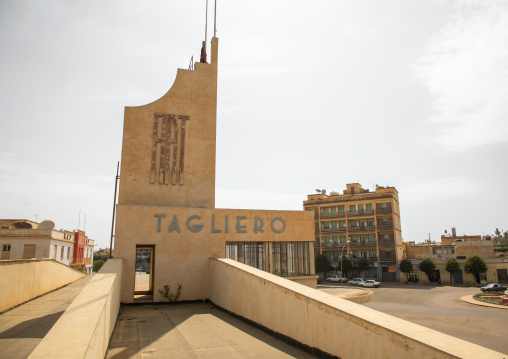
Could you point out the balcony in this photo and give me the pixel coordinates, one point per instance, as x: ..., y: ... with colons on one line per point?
x: 387, y: 259
x: 362, y: 228
x: 372, y: 259
x: 360, y: 213
x: 383, y: 210
x: 386, y: 243
x: 362, y: 243
x: 385, y: 226
x: 333, y: 215
x: 332, y: 230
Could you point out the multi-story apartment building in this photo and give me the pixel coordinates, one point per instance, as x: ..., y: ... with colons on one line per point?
x: 359, y: 224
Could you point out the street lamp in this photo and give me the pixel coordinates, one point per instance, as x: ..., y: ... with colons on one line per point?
x: 341, y: 258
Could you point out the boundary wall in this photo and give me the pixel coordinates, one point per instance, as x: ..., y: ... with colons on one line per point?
x: 325, y: 322
x: 84, y: 329
x: 25, y: 279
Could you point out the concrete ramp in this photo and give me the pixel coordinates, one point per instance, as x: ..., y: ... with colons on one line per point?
x: 25, y: 279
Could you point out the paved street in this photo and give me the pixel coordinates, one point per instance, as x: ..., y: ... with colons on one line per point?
x: 439, y: 308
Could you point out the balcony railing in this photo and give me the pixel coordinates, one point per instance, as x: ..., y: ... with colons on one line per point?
x: 360, y: 213
x: 385, y: 226
x: 386, y: 243
x: 387, y: 259
x: 336, y: 229
x: 383, y: 210
x: 333, y: 215
x: 372, y: 259
x: 362, y: 228
x: 362, y: 243
x: 88, y: 261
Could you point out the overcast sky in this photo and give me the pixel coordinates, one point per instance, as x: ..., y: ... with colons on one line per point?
x: 312, y: 95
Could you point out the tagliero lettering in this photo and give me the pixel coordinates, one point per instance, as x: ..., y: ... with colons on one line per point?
x: 240, y: 224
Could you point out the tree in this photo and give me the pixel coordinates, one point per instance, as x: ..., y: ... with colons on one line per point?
x: 452, y: 265
x: 428, y: 267
x: 500, y: 237
x: 322, y: 264
x: 345, y: 266
x: 97, y: 265
x: 363, y: 265
x: 406, y: 267
x: 475, y: 265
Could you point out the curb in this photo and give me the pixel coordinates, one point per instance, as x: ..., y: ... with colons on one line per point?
x: 469, y: 299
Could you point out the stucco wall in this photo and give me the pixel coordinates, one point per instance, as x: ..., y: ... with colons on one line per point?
x: 323, y: 321
x: 181, y: 256
x: 85, y: 328
x: 22, y: 280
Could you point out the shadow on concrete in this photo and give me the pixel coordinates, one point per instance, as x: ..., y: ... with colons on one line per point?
x: 192, y: 330
x: 32, y: 328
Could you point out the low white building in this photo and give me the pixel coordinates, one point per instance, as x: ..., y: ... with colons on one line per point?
x: 25, y: 239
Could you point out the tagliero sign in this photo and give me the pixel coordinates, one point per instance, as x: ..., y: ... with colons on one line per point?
x: 240, y: 224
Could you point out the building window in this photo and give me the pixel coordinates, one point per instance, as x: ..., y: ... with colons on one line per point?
x: 291, y: 259
x: 326, y: 210
x: 386, y: 237
x: 368, y: 207
x: 6, y: 251
x: 341, y: 209
x: 62, y: 253
x: 342, y: 239
x: 68, y: 252
x: 372, y: 237
x: 361, y: 223
x: 250, y: 253
x: 352, y: 208
x: 342, y: 224
x: 384, y: 205
x: 362, y: 239
x: 385, y: 221
x: 360, y: 207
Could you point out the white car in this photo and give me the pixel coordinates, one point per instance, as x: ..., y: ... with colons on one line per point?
x: 356, y: 281
x: 370, y: 283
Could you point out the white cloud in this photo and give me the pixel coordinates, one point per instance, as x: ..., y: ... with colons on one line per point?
x: 466, y: 70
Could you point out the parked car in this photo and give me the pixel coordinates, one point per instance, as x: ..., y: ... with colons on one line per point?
x: 355, y: 281
x: 370, y: 283
x: 336, y: 278
x: 318, y: 279
x: 493, y: 287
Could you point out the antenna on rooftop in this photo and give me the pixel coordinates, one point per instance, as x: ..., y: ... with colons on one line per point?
x: 206, y: 20
x: 214, y: 20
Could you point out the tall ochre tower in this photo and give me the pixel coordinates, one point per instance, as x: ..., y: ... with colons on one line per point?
x: 167, y: 225
x: 168, y: 152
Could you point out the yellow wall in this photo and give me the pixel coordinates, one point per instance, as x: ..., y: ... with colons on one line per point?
x: 183, y: 257
x: 22, y: 280
x: 193, y: 94
x: 333, y: 325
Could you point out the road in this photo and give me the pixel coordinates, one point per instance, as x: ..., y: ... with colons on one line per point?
x: 439, y: 308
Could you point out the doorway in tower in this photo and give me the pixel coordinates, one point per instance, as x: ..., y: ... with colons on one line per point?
x: 143, y: 284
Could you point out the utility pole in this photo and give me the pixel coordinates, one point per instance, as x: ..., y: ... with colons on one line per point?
x: 114, y: 208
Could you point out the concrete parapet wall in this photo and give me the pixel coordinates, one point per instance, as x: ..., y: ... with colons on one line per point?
x: 323, y: 321
x: 25, y: 279
x: 85, y: 328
